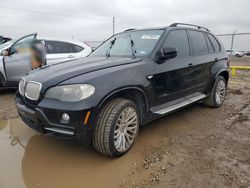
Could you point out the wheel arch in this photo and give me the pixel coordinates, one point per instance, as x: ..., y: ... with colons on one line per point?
x: 224, y: 73
x: 135, y: 94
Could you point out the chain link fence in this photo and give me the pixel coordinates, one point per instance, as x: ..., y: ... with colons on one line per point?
x: 238, y: 48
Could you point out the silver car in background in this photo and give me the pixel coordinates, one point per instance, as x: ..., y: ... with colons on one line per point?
x: 15, y: 65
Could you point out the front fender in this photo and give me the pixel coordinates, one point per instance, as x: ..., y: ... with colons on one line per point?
x: 123, y: 89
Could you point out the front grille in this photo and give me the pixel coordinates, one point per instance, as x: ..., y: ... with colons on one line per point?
x: 32, y: 90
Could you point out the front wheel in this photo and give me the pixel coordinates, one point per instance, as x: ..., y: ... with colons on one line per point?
x: 218, y: 93
x: 117, y: 127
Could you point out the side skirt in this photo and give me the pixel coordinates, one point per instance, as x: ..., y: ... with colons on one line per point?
x: 177, y: 104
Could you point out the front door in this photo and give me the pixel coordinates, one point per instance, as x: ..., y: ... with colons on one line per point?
x: 18, y: 63
x: 174, y: 78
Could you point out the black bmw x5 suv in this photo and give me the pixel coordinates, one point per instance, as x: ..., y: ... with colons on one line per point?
x: 131, y: 79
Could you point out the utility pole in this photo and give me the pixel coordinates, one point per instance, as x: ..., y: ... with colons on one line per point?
x: 113, y: 25
x: 232, y: 43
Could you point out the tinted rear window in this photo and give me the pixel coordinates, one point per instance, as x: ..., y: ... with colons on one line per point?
x: 56, y: 47
x: 76, y: 48
x: 198, y: 43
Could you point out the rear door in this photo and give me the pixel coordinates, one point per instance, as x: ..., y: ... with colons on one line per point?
x: 58, y: 51
x: 203, y: 58
x: 18, y: 63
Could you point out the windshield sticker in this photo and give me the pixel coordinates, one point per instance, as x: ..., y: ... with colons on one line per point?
x: 150, y: 37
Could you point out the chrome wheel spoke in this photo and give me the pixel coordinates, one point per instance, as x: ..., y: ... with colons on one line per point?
x: 119, y: 140
x: 123, y: 142
x: 132, y: 120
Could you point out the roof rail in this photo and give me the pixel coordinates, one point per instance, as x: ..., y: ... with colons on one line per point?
x: 192, y: 25
x: 130, y: 29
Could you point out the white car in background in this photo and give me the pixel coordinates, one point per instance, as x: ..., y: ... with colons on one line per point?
x: 58, y: 49
x: 14, y: 66
x: 235, y: 53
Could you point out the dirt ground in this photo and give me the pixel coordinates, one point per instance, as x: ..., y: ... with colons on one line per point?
x: 7, y: 105
x: 204, y: 148
x: 194, y: 147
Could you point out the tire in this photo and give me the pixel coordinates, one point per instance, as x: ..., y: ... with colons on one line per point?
x: 218, y: 93
x: 116, y: 127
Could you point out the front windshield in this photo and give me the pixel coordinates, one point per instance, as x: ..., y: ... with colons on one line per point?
x: 130, y: 43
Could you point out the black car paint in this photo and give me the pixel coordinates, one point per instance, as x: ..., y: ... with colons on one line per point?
x: 157, y: 83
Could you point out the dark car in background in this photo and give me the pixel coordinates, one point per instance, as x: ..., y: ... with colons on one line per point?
x: 134, y: 77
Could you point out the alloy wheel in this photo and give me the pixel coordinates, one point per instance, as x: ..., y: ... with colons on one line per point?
x: 220, y: 92
x: 126, y: 129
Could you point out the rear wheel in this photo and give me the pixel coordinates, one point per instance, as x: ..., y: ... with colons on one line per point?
x: 116, y: 128
x: 218, y: 93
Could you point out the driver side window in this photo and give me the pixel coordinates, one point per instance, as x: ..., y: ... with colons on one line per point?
x: 21, y: 46
x: 178, y: 39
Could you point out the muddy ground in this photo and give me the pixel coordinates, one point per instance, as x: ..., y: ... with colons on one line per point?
x: 194, y: 147
x: 7, y: 105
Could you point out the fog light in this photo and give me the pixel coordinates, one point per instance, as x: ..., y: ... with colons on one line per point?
x: 65, y: 117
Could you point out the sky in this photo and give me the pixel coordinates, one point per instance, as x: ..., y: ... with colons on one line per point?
x: 92, y: 19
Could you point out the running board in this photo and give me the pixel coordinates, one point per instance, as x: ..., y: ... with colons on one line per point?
x: 167, y: 108
x: 56, y: 130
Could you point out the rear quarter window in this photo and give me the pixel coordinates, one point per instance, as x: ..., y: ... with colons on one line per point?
x: 209, y: 44
x: 76, y: 48
x: 214, y: 42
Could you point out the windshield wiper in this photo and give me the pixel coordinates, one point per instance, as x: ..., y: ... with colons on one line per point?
x: 132, y: 45
x: 109, y: 48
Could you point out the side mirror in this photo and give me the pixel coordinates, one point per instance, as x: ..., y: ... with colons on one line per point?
x: 5, y: 52
x: 166, y: 54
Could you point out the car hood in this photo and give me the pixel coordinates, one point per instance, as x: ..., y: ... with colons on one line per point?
x: 56, y: 73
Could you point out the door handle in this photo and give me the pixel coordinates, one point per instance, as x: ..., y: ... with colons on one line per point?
x: 150, y: 77
x: 71, y: 56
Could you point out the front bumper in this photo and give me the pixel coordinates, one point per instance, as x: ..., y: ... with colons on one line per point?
x: 48, y: 120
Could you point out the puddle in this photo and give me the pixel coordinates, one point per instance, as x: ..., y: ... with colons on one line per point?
x: 29, y: 159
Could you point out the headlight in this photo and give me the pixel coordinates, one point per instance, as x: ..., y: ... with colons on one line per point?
x: 21, y: 86
x: 70, y: 93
